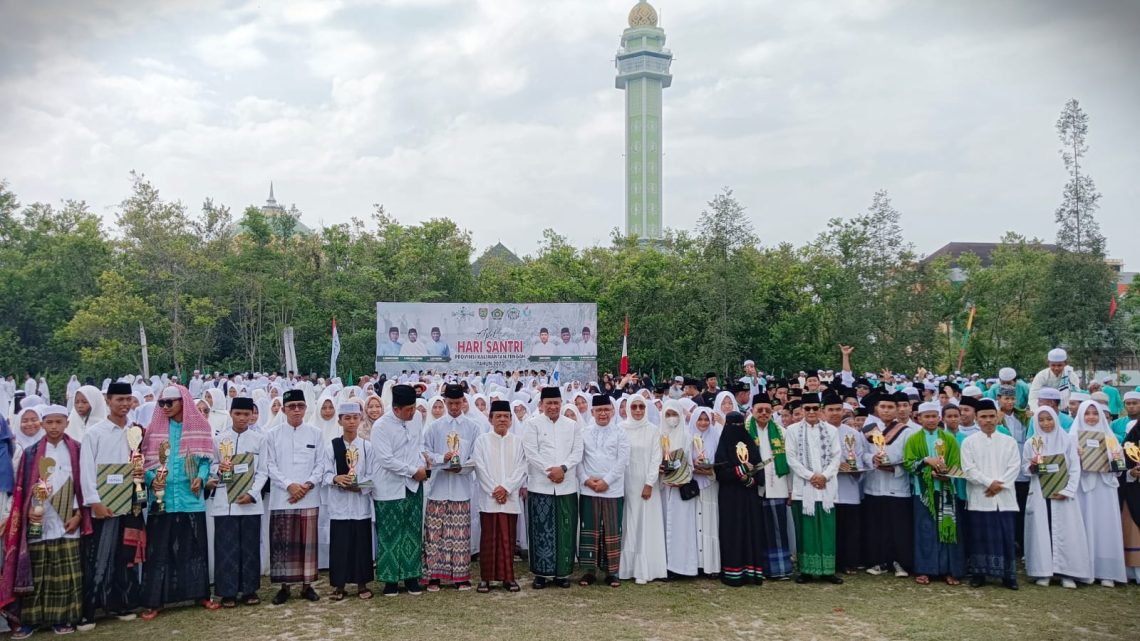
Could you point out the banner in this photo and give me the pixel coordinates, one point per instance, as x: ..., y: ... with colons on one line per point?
x: 335, y: 350
x: 483, y: 337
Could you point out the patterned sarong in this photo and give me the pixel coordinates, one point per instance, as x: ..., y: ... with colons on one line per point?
x: 399, y: 538
x: 551, y: 524
x: 293, y: 545
x: 447, y: 541
x: 778, y: 544
x: 177, y: 567
x: 599, y: 540
x: 58, y: 576
x: 989, y: 544
x: 237, y: 555
x: 497, y: 546
x: 815, y: 540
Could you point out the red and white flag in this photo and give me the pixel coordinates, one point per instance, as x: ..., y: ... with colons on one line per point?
x: 625, y: 349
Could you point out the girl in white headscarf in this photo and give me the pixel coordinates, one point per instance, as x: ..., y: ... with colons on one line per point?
x: 1100, y: 505
x: 89, y: 407
x: 30, y: 429
x: 702, y: 425
x: 276, y: 416
x: 680, y: 515
x: 1055, y: 540
x: 571, y: 412
x: 219, y: 416
x: 643, y: 556
x: 43, y: 390
x: 73, y: 386
x: 724, y: 403
x: 324, y: 418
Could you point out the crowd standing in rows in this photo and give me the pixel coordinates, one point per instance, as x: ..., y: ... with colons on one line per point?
x: 143, y: 494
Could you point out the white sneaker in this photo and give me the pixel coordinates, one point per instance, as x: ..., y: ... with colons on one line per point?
x: 86, y: 627
x: 1042, y: 582
x: 1069, y: 583
x: 130, y: 616
x: 875, y: 570
x: 899, y: 572
x: 1108, y: 583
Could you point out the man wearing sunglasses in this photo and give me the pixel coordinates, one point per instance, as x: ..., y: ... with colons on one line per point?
x: 814, y: 456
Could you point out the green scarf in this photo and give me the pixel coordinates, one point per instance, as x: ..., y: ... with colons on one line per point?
x: 776, y: 440
x: 936, y: 495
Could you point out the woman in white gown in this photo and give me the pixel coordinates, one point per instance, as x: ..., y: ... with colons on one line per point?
x: 1100, y: 505
x: 680, y: 515
x: 702, y: 425
x: 1055, y: 542
x: 643, y: 527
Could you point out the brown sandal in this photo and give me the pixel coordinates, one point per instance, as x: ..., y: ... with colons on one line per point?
x: 483, y: 588
x: 338, y: 595
x: 922, y: 579
x: 952, y: 581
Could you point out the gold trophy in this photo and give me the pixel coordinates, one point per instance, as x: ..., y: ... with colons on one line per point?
x: 40, y: 493
x: 160, y: 478
x: 852, y: 461
x: 226, y: 451
x: 351, y: 456
x: 134, y: 442
x: 1038, y: 444
x: 742, y: 453
x: 668, y: 462
x: 1115, y: 454
x: 453, y: 449
x: 699, y: 448
x: 881, y: 444
x: 1133, y: 452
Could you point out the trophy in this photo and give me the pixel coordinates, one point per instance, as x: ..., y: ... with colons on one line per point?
x: 1133, y: 452
x: 453, y: 449
x: 160, y: 478
x: 226, y: 451
x: 742, y: 453
x: 852, y: 461
x: 1038, y: 444
x: 881, y: 444
x: 1115, y: 454
x: 667, y: 461
x: 134, y: 441
x: 40, y: 493
x: 699, y: 448
x: 351, y: 456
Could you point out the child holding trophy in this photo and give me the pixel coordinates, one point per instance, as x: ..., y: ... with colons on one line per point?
x: 46, y: 538
x: 1100, y: 503
x: 346, y: 474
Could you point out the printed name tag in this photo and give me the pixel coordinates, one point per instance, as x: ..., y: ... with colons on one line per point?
x: 114, y: 479
x: 1092, y: 442
x: 1053, y: 467
x: 241, y: 468
x: 311, y: 446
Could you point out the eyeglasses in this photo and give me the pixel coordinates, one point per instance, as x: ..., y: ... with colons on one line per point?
x: 294, y: 406
x: 168, y: 402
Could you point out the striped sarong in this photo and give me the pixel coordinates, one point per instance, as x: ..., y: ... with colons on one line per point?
x: 551, y: 524
x: 778, y: 544
x: 58, y: 576
x: 399, y: 538
x: 293, y: 545
x: 599, y: 539
x: 497, y: 546
x: 447, y: 541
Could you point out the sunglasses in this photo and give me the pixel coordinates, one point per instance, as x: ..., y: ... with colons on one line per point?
x: 811, y: 408
x: 294, y: 406
x: 168, y: 402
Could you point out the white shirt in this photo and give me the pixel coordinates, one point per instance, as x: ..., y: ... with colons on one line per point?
x: 851, y: 485
x: 806, y: 464
x: 398, y: 448
x: 445, y: 485
x: 292, y: 455
x: 342, y: 504
x: 246, y: 442
x: 499, y: 460
x: 986, y: 459
x: 775, y: 487
x: 894, y: 483
x: 53, y: 521
x: 104, y: 444
x: 605, y: 455
x: 548, y: 445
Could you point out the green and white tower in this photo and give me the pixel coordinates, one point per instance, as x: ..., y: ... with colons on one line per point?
x: 643, y: 71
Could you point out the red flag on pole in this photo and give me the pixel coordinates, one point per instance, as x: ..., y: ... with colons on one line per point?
x: 1112, y: 308
x: 625, y: 349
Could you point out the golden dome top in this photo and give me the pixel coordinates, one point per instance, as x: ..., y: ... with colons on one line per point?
x: 643, y: 15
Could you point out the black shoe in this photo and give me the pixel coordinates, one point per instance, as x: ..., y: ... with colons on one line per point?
x: 804, y: 578
x: 562, y: 583
x: 833, y: 579
x: 391, y: 589
x: 1010, y: 583
x: 309, y: 594
x: 539, y: 583
x: 282, y: 595
x: 413, y: 586
x: 977, y: 581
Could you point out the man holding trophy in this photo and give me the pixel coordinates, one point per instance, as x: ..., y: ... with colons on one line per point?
x: 448, y: 445
x: 346, y: 473
x: 238, y: 477
x: 177, y: 451
x: 45, y: 539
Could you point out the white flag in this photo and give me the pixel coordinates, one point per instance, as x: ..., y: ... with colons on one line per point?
x: 335, y: 350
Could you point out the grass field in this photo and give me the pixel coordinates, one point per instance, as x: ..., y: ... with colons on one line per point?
x: 865, y: 607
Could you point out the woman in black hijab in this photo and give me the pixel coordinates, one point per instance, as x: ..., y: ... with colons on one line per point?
x: 742, y: 542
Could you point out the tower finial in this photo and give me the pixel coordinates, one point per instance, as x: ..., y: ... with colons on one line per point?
x: 271, y: 190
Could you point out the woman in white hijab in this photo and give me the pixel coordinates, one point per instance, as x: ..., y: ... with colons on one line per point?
x: 324, y: 418
x: 219, y: 416
x: 73, y: 386
x: 30, y: 429
x: 703, y: 426
x: 643, y: 521
x: 1055, y: 541
x: 276, y: 416
x: 519, y: 414
x: 1100, y: 505
x: 43, y: 390
x: 680, y: 515
x: 571, y: 412
x: 724, y: 403
x: 89, y: 407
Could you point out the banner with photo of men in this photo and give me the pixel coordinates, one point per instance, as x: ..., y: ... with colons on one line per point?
x: 458, y: 337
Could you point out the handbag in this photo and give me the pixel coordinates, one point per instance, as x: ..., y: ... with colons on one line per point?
x: 690, y: 490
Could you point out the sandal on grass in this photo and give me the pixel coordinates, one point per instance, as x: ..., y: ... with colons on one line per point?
x: 922, y: 579
x: 512, y: 586
x: 337, y: 595
x: 587, y: 580
x: 364, y: 594
x: 483, y: 588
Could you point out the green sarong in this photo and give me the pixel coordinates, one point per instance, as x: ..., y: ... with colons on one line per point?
x: 552, y: 526
x: 400, y: 538
x: 815, y: 540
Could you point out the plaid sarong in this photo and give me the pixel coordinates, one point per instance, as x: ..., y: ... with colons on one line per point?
x: 599, y: 539
x: 497, y: 546
x: 551, y: 524
x: 400, y: 538
x: 447, y: 541
x: 293, y: 545
x: 778, y: 543
x: 58, y: 576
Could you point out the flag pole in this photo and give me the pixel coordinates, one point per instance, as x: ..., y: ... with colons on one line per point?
x: 966, y: 336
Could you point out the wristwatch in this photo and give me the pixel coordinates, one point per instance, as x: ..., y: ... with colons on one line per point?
x: 563, y: 468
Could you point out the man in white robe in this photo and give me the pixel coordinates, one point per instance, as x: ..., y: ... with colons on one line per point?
x: 991, y: 462
x: 814, y: 457
x: 601, y: 478
x: 500, y: 469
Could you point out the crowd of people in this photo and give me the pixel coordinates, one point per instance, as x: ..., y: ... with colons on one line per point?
x: 142, y: 494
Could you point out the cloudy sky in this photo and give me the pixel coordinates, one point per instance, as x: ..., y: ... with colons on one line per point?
x: 502, y: 114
